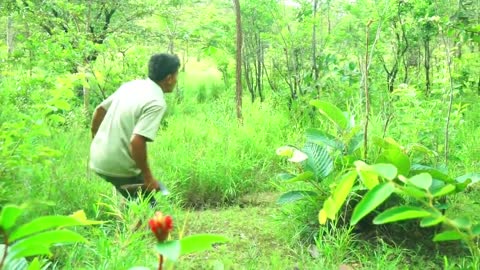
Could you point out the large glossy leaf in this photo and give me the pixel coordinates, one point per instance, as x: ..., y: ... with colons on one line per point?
x: 387, y: 171
x: 169, y: 249
x: 476, y: 229
x: 295, y: 195
x: 303, y: 177
x: 369, y: 178
x: 343, y: 188
x: 448, y: 236
x: 462, y: 222
x: 387, y: 143
x: 435, y: 173
x: 331, y: 112
x: 397, y: 158
x: 9, y: 215
x: 333, y: 204
x: 44, y: 223
x: 319, y: 160
x: 474, y: 178
x: 372, y: 200
x: 422, y: 180
x: 400, y: 213
x: 200, y: 242
x: 431, y: 221
x: 319, y: 137
x: 414, y: 192
x: 24, y: 247
x: 448, y: 188
x: 416, y: 147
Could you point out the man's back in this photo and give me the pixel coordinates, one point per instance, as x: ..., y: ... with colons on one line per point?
x: 137, y: 107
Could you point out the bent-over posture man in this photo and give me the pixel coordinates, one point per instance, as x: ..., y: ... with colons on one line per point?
x: 124, y: 123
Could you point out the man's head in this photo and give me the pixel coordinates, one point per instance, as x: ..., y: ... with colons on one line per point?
x: 163, y: 70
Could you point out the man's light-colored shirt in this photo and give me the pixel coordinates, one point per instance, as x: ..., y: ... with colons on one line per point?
x: 137, y: 107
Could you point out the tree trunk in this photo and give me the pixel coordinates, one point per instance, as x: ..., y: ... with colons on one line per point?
x: 314, y: 43
x: 238, y: 92
x: 248, y: 77
x: 10, y: 34
x: 427, y: 66
x: 259, y: 68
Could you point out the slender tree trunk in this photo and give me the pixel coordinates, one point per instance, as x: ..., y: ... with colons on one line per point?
x: 366, y: 93
x: 427, y: 66
x: 238, y: 92
x: 259, y: 68
x: 248, y: 77
x: 10, y: 34
x: 270, y: 82
x: 314, y: 43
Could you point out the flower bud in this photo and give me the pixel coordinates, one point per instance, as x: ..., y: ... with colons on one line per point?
x: 161, y: 226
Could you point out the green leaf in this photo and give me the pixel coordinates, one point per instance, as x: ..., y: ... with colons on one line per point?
x: 35, y: 265
x: 200, y: 242
x: 476, y: 229
x: 397, y: 158
x: 295, y: 195
x: 414, y: 192
x: 285, y: 176
x: 387, y: 143
x: 329, y: 208
x: 170, y: 249
x: 369, y: 178
x: 17, y: 264
x: 473, y: 177
x: 423, y: 181
x: 344, y: 187
x: 333, y: 204
x: 459, y: 187
x: 448, y: 236
x: 387, y: 171
x: 320, y: 137
x: 421, y: 149
x: 9, y: 215
x: 372, y: 200
x: 45, y: 223
x: 462, y: 222
x: 448, y: 188
x: 319, y: 160
x: 303, y: 177
x: 38, y: 244
x: 400, y: 213
x: 431, y: 221
x: 331, y: 112
x: 435, y: 173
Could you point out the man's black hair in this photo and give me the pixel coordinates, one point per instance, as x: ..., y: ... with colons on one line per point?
x: 161, y: 65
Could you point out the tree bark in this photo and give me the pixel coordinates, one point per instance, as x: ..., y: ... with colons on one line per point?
x: 238, y: 92
x: 314, y: 43
x: 427, y: 66
x: 10, y: 34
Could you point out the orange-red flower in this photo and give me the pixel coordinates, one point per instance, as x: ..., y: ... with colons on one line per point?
x: 161, y: 226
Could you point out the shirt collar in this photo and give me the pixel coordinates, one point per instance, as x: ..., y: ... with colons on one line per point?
x: 155, y: 86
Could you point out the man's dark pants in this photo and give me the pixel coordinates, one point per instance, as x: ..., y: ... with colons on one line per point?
x: 119, y: 182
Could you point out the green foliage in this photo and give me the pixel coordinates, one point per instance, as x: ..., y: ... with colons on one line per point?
x: 36, y: 237
x: 423, y: 185
x: 322, y: 154
x: 173, y: 249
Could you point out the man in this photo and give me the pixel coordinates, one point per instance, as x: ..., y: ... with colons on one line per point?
x: 124, y: 123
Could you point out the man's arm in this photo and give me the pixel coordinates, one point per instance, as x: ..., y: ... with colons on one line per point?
x: 138, y: 149
x: 97, y: 119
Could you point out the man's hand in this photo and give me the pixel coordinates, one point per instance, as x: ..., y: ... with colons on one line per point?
x: 151, y: 184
